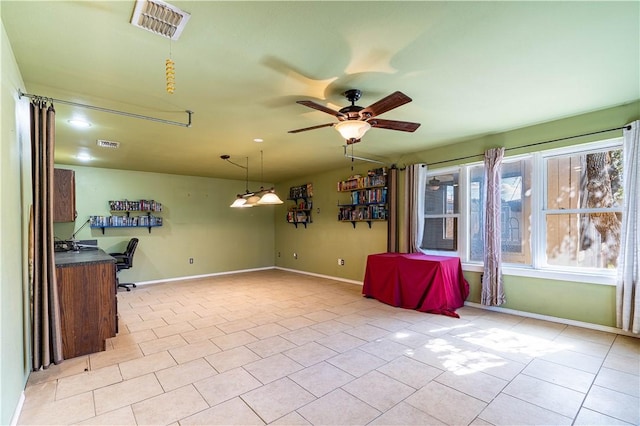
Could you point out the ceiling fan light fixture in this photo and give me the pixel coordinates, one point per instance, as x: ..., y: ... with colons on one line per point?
x: 434, y: 184
x: 352, y: 130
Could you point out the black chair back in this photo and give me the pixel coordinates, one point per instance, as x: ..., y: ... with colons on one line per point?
x: 131, y: 249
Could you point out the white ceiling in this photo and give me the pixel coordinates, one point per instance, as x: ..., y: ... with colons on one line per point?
x: 472, y: 68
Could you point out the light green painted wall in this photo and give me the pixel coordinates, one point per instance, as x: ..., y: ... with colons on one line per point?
x: 198, y: 223
x: 14, y: 361
x: 325, y: 240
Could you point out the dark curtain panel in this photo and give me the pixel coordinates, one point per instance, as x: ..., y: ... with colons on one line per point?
x: 392, y: 225
x: 46, y: 328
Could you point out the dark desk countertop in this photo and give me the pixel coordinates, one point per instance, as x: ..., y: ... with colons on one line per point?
x: 83, y: 257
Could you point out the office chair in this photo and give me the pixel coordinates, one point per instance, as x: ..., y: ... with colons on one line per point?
x: 125, y: 261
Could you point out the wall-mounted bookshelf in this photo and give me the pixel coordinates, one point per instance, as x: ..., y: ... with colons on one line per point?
x: 300, y: 211
x: 368, y: 198
x: 123, y: 215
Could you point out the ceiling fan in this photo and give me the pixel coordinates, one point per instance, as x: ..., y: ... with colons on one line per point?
x: 354, y: 121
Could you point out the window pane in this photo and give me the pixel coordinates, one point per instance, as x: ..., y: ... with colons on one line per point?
x: 585, y: 180
x: 441, y: 208
x: 441, y: 195
x: 573, y: 240
x: 579, y: 182
x: 440, y: 234
x: 515, y: 212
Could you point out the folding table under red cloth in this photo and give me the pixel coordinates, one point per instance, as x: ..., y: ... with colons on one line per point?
x: 433, y: 284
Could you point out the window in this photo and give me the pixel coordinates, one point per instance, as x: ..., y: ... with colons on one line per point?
x: 515, y: 212
x: 441, y: 212
x: 583, y: 208
x: 561, y: 212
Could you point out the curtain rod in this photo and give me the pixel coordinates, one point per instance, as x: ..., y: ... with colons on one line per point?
x: 112, y: 111
x: 534, y: 144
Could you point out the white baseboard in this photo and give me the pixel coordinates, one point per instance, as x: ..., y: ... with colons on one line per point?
x: 329, y: 277
x: 549, y: 318
x: 195, y: 277
x: 18, y: 410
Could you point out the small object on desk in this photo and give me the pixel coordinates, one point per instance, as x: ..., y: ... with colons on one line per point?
x: 433, y: 284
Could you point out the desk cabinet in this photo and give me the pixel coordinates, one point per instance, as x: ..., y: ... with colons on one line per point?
x: 87, y: 294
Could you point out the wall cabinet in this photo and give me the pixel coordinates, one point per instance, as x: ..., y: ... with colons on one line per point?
x: 300, y: 212
x: 64, y: 195
x: 367, y: 198
x: 129, y: 214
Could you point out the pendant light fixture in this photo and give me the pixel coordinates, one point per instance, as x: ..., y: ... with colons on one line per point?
x: 253, y: 198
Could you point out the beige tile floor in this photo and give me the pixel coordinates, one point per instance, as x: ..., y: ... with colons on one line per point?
x: 283, y: 348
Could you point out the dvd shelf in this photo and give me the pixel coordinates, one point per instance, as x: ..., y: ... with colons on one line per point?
x: 368, y: 198
x: 300, y: 212
x: 121, y: 216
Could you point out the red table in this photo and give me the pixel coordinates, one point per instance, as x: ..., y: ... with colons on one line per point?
x: 427, y: 283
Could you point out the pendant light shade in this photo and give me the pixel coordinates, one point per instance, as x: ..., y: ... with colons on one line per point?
x: 352, y: 130
x: 270, y: 198
x: 252, y: 201
x: 262, y: 197
x: 240, y: 202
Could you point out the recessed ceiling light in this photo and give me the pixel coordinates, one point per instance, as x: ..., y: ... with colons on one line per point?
x: 83, y: 156
x: 79, y: 123
x: 258, y: 140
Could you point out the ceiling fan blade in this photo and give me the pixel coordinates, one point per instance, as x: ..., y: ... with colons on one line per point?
x: 322, y: 108
x: 311, y: 128
x: 404, y: 126
x: 392, y: 101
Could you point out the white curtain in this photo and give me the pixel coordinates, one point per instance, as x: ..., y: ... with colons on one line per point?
x: 492, y: 289
x: 627, y: 292
x: 414, y: 195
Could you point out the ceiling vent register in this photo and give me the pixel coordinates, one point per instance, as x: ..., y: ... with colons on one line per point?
x: 160, y: 18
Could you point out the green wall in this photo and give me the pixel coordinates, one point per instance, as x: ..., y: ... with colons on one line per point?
x: 14, y: 361
x: 326, y: 240
x: 197, y: 223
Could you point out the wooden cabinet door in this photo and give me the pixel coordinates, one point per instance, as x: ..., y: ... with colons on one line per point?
x: 64, y: 195
x: 87, y: 307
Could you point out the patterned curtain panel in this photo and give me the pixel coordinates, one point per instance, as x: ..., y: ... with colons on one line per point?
x: 627, y: 291
x: 492, y: 289
x: 46, y: 328
x: 414, y: 187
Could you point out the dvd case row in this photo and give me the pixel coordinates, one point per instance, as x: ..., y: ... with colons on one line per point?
x: 124, y: 221
x: 135, y: 206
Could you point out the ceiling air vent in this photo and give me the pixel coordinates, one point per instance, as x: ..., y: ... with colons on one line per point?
x: 108, y: 144
x: 160, y: 18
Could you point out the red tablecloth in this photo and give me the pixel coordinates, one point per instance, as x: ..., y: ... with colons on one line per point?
x: 432, y: 284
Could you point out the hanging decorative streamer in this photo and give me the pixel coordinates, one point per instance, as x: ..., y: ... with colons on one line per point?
x: 171, y: 76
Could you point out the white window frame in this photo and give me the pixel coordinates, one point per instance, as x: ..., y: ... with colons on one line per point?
x: 462, y: 220
x: 538, y: 267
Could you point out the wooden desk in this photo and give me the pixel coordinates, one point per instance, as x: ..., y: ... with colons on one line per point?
x: 432, y: 284
x: 88, y: 305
